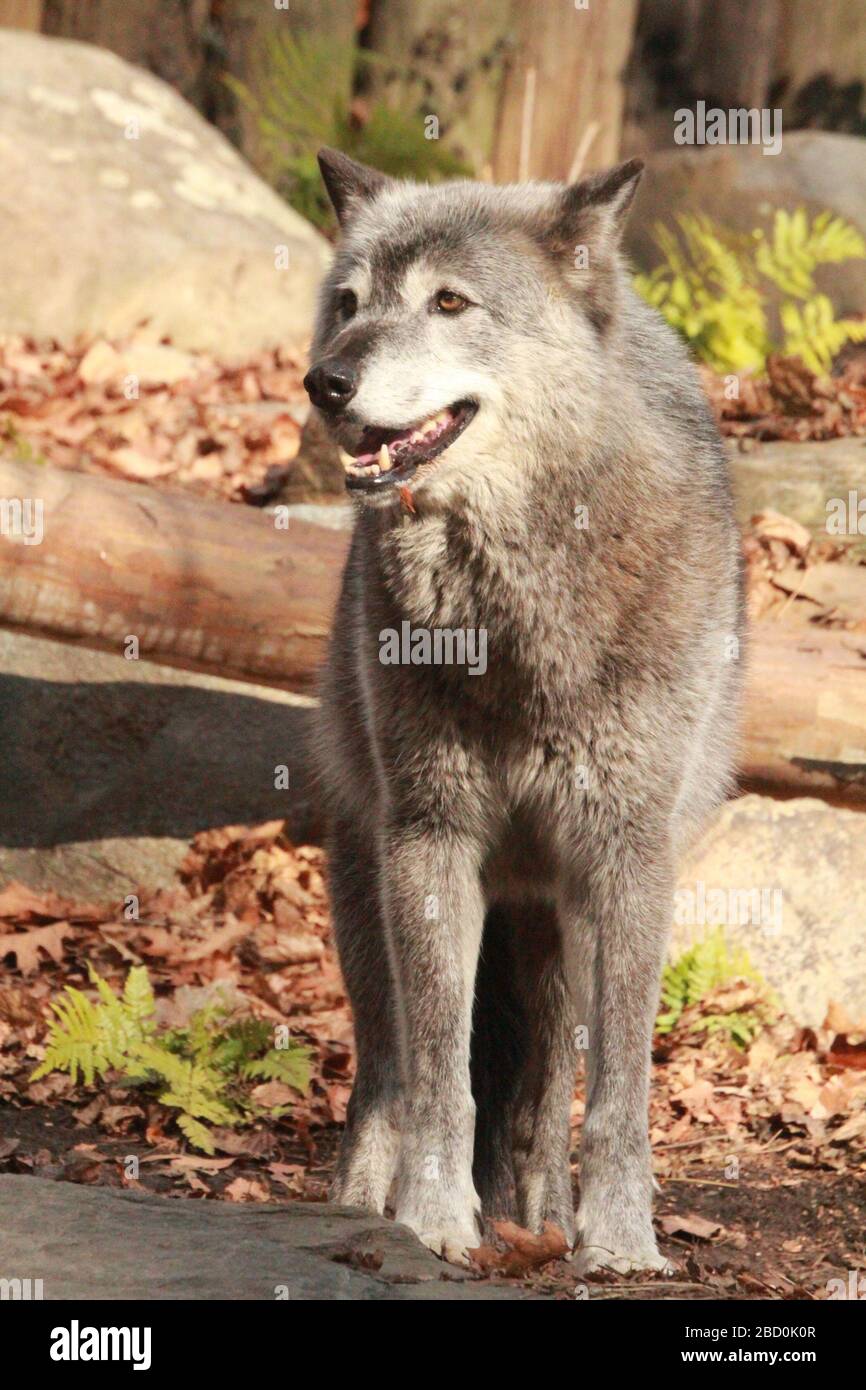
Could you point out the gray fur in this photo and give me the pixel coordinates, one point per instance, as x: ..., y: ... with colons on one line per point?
x: 608, y: 650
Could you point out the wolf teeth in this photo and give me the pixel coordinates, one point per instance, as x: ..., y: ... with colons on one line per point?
x: 384, y: 464
x: 346, y: 459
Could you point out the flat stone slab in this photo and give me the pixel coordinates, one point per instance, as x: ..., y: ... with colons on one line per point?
x: 97, y: 1243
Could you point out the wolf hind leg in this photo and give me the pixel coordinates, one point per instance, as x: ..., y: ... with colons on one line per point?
x: 500, y: 1041
x: 523, y: 1068
x: 542, y: 1121
x: 370, y: 1145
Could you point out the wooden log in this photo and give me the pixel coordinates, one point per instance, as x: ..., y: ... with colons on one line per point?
x: 200, y: 584
x: 208, y: 586
x: 804, y: 731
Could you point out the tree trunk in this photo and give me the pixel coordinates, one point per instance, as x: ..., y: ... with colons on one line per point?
x: 165, y: 36
x: 562, y: 98
x: 21, y: 14
x: 733, y: 52
x: 821, y: 39
x: 446, y: 59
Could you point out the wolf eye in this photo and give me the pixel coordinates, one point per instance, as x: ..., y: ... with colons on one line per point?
x: 450, y: 302
x: 347, y: 304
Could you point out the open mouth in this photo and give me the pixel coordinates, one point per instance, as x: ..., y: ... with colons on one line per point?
x: 385, y: 457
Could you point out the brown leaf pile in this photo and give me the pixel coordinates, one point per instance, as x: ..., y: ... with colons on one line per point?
x: 794, y: 577
x: 790, y: 402
x: 148, y: 412
x: 802, y: 1087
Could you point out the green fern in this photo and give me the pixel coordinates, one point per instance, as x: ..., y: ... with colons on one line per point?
x: 815, y: 335
x: 203, y: 1071
x: 698, y: 972
x: 289, y: 1065
x: 192, y: 1087
x: 709, y: 287
x: 91, y: 1039
x: 791, y: 256
x: 301, y: 101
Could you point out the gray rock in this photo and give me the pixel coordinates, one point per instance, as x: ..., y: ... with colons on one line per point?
x: 95, y: 1243
x: 794, y: 878
x: 741, y: 187
x: 119, y: 203
x: 110, y: 766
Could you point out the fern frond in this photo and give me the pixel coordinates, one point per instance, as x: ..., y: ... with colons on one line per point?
x: 76, y: 1041
x: 699, y: 971
x: 198, y: 1134
x: 291, y: 1065
x: 812, y: 333
x: 709, y: 288
x: 796, y: 249
x: 190, y: 1086
x: 196, y: 1070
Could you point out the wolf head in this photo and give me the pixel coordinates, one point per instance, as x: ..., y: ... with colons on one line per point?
x: 461, y: 318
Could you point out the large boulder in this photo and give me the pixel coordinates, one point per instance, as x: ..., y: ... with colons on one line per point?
x: 119, y: 204
x: 786, y: 880
x: 741, y: 187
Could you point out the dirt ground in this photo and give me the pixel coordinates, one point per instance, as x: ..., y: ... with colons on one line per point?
x: 781, y: 1230
x: 759, y: 1150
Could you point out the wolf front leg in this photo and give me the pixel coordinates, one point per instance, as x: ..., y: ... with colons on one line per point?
x: 434, y: 915
x: 614, y: 942
x: 368, y: 1152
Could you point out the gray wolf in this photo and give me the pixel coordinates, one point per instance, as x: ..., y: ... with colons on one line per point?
x: 532, y: 457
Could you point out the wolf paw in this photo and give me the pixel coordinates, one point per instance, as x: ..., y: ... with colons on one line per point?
x: 450, y: 1233
x: 451, y: 1245
x: 546, y: 1196
x: 590, y: 1258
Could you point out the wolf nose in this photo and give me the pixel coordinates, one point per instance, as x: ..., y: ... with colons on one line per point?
x: 331, y: 384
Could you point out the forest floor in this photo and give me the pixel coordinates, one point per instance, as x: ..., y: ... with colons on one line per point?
x: 759, y: 1150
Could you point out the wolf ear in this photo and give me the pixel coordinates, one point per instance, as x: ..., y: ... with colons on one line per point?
x: 348, y: 182
x: 595, y: 209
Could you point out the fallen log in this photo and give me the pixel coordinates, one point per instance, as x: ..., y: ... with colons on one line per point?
x: 198, y: 584
x: 804, y: 728
x: 218, y: 588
